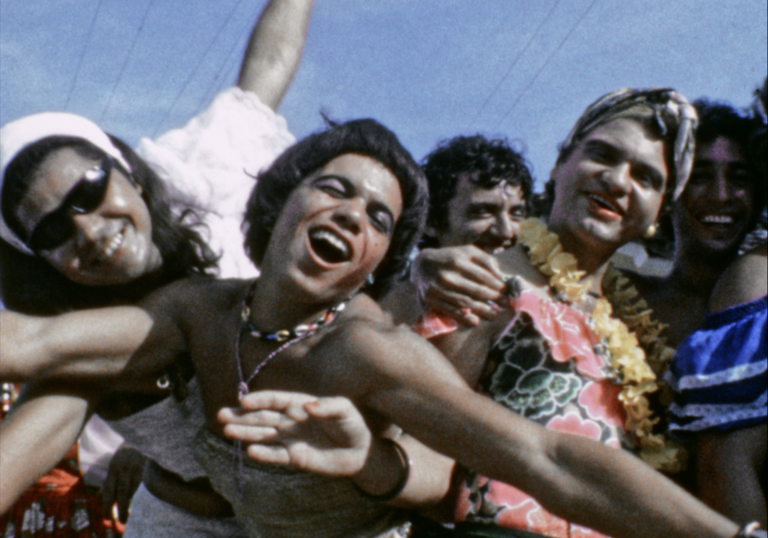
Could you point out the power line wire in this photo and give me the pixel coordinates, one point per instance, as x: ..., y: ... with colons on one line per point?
x: 127, y: 59
x: 197, y: 67
x: 228, y: 64
x: 516, y: 60
x: 82, y: 55
x: 560, y: 46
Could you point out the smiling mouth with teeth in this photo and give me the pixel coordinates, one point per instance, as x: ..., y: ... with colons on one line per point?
x: 112, y: 247
x: 329, y: 246
x: 718, y: 219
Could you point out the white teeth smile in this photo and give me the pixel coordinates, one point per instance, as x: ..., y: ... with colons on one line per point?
x: 332, y: 239
x: 717, y: 219
x: 334, y: 242
x: 113, y: 246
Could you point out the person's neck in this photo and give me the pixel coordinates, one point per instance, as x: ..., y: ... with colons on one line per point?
x: 590, y: 258
x: 278, y: 304
x: 696, y: 274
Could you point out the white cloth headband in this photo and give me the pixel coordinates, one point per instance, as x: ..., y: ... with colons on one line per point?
x: 18, y: 134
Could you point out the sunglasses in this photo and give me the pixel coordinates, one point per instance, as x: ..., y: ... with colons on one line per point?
x: 85, y: 197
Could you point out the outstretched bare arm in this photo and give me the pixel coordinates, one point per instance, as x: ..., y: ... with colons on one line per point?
x: 92, y: 345
x: 77, y: 344
x: 577, y: 478
x: 275, y: 49
x: 407, y: 381
x: 45, y: 423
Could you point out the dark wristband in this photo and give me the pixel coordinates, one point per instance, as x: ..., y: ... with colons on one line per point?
x: 405, y: 473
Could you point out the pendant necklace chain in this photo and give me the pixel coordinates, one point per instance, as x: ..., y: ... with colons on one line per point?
x: 287, y: 337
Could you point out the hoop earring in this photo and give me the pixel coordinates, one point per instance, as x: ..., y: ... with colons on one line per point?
x: 650, y: 232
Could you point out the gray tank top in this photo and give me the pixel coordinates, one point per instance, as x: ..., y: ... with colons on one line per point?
x: 165, y: 432
x: 274, y: 502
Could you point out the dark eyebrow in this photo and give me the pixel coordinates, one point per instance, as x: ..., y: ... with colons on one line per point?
x: 484, y: 205
x: 616, y: 152
x: 597, y: 144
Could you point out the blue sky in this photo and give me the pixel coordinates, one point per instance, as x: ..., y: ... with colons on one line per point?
x: 429, y: 69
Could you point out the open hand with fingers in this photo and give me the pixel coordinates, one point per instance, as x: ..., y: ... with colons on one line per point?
x: 319, y: 435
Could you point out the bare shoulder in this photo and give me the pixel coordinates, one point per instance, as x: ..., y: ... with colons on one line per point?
x: 367, y: 340
x: 197, y: 294
x: 364, y: 319
x: 744, y: 281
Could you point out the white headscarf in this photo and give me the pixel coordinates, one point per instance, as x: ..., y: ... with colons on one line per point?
x: 18, y: 134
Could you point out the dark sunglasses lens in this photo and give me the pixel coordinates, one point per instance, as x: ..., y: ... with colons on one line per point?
x: 51, y: 232
x: 85, y: 197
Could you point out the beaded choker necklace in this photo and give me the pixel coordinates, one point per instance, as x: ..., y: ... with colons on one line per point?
x: 287, y: 337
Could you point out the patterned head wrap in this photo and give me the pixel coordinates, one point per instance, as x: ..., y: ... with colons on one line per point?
x: 15, y: 136
x: 675, y: 117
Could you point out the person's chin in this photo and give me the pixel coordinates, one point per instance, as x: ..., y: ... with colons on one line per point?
x: 718, y: 250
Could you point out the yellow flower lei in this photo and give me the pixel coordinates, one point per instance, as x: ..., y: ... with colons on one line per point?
x: 632, y: 370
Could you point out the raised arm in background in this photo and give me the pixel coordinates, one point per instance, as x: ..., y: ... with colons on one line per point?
x: 274, y: 50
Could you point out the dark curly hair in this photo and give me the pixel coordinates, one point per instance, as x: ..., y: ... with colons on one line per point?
x: 485, y: 162
x: 718, y: 119
x: 29, y: 284
x: 364, y: 137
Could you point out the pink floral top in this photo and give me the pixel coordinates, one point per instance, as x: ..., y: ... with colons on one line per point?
x: 549, y: 366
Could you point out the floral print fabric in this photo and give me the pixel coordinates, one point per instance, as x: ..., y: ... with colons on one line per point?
x: 550, y: 367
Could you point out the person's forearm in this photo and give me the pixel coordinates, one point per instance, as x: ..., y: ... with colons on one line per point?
x: 21, y: 346
x: 34, y: 437
x: 573, y: 477
x: 274, y: 50
x: 623, y: 497
x: 93, y: 344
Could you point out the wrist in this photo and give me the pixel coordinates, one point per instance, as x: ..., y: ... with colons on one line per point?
x: 385, y: 473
